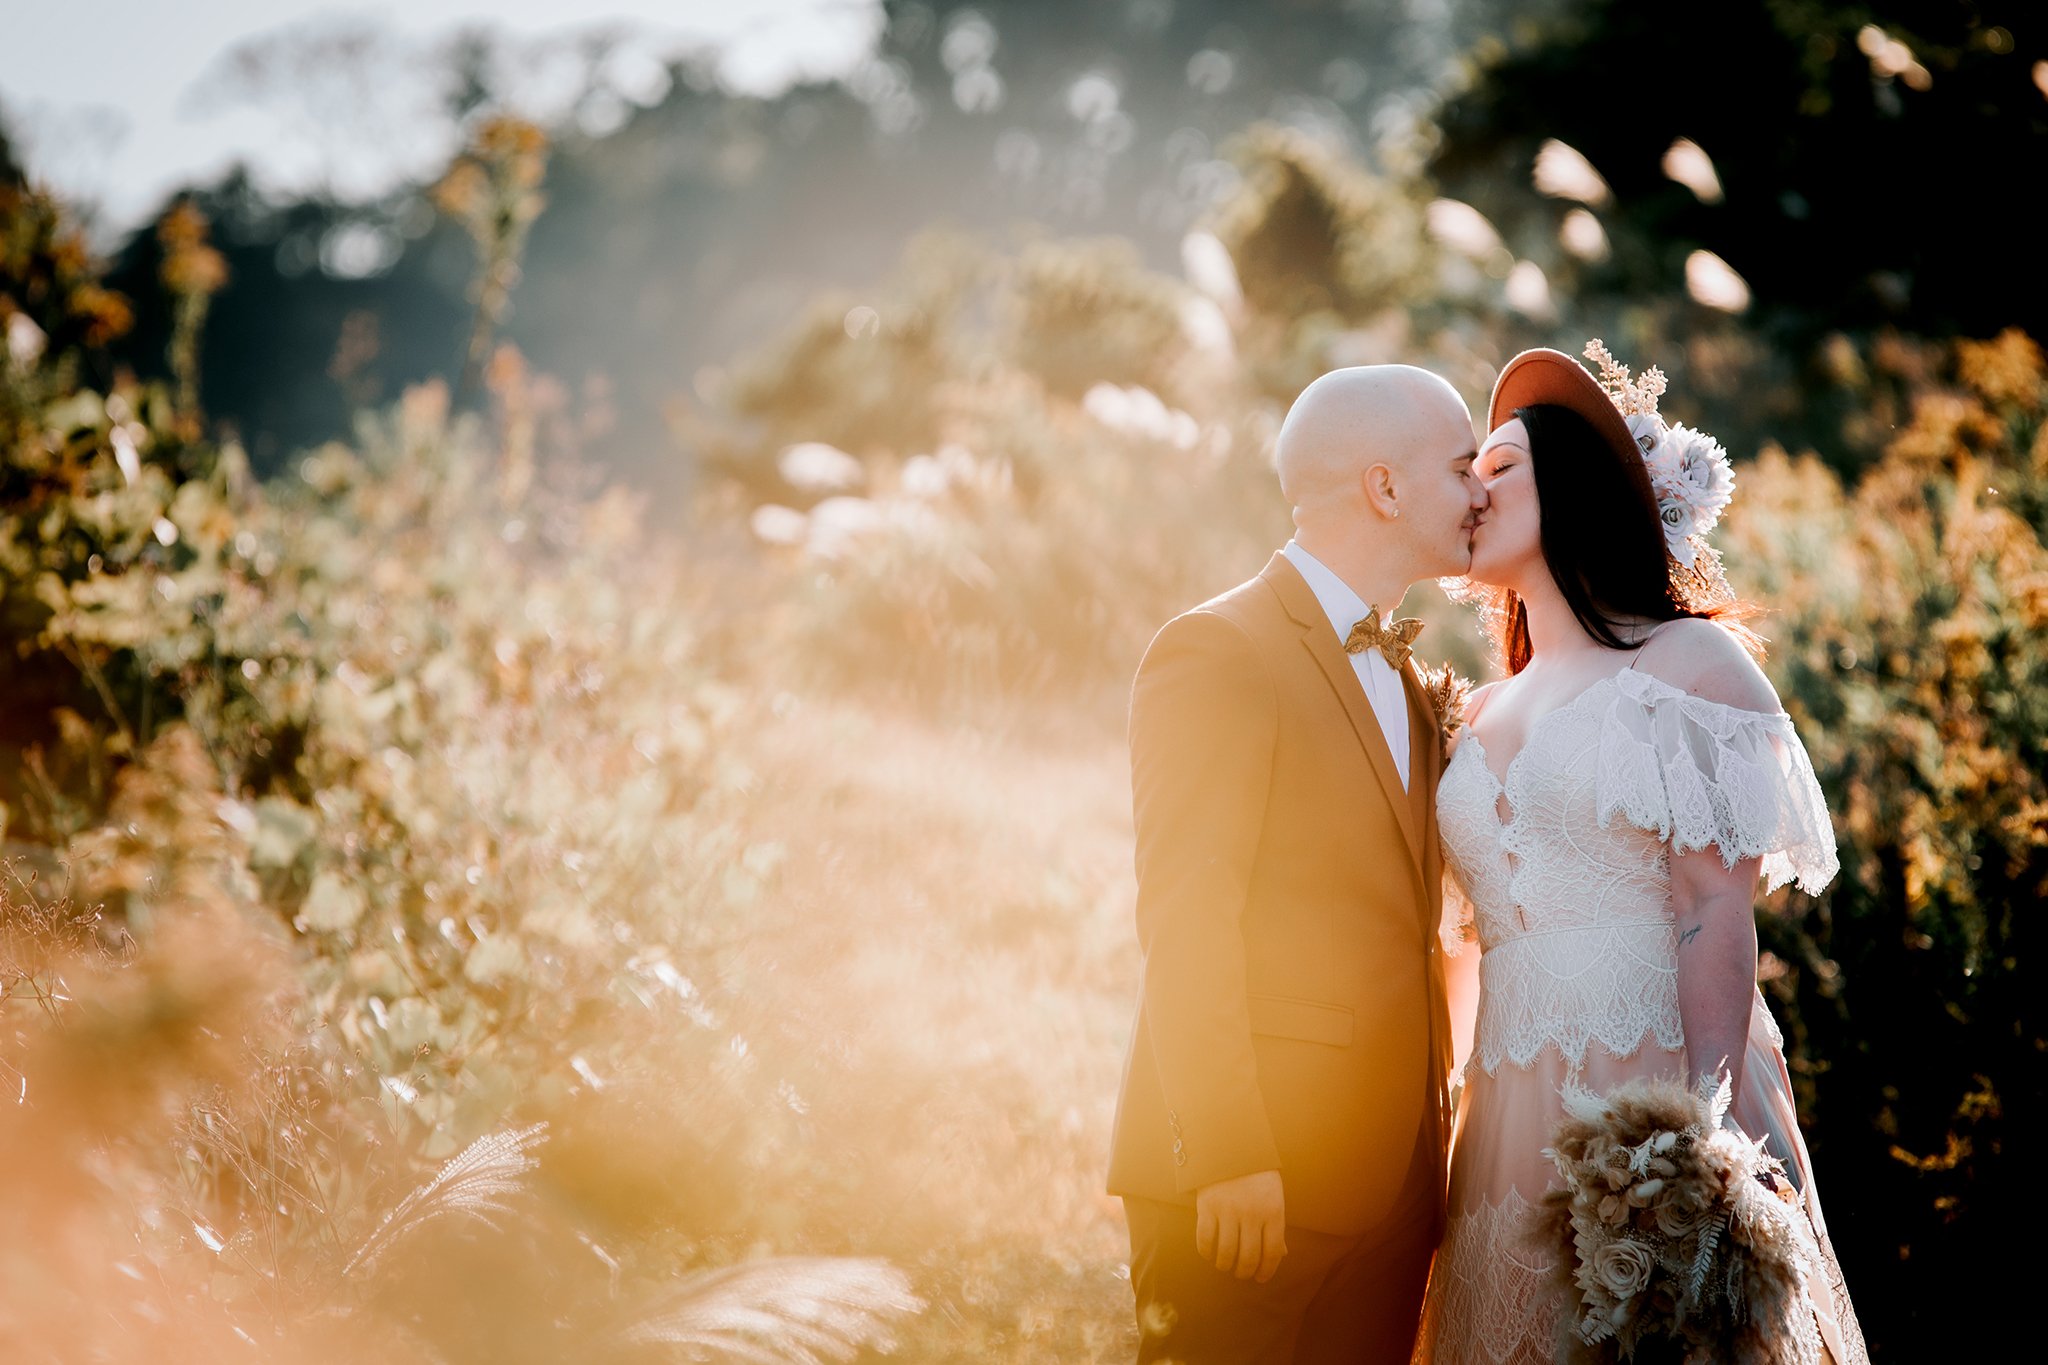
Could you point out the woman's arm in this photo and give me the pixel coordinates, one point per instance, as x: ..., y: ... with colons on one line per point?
x: 1712, y: 903
x: 1716, y: 959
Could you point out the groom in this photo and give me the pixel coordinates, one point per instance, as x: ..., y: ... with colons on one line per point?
x: 1281, y: 1132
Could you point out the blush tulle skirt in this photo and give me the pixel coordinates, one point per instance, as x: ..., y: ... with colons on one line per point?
x: 1492, y: 1295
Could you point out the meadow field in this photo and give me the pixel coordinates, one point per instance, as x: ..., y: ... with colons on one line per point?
x: 460, y: 902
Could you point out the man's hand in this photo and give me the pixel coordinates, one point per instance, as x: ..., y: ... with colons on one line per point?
x: 1241, y: 1225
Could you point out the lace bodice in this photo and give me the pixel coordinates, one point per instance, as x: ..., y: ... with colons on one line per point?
x: 1563, y: 868
x: 1571, y: 893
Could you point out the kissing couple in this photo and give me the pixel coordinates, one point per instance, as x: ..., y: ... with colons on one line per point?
x: 1314, y: 839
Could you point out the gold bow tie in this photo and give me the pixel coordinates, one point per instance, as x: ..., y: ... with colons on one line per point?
x: 1394, y: 642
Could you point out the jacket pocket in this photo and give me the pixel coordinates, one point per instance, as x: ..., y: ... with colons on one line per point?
x: 1280, y: 1016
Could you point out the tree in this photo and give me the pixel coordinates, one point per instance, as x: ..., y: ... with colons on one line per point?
x: 1845, y: 142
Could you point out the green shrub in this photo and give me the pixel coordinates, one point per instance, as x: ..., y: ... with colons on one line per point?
x: 1909, y: 631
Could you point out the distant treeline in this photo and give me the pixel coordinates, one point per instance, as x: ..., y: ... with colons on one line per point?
x: 703, y: 225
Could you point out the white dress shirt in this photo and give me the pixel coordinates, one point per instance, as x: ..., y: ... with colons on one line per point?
x: 1382, y: 684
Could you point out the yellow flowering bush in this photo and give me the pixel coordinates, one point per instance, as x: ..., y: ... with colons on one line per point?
x: 1909, y: 637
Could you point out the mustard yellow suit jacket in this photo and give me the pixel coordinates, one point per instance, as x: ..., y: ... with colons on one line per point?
x: 1292, y: 1013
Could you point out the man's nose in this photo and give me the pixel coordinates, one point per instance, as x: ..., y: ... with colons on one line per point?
x: 1481, y: 499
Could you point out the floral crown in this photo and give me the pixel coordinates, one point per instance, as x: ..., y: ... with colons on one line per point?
x: 1689, y: 473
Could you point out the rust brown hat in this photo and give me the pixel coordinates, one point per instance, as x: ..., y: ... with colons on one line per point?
x: 1547, y: 376
x: 1610, y: 404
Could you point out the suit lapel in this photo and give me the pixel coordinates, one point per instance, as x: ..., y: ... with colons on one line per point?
x: 1321, y: 642
x: 1425, y: 766
x: 1423, y: 747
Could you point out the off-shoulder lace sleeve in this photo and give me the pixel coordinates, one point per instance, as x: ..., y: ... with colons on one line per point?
x: 1699, y: 772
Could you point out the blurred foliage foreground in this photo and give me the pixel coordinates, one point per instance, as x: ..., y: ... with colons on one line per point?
x: 447, y: 919
x: 374, y: 844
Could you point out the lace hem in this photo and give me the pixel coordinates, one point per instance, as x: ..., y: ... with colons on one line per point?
x: 1699, y: 772
x: 1492, y: 1297
x: 1611, y: 984
x: 1847, y: 1347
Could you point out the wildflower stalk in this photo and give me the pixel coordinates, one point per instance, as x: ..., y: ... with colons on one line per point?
x: 493, y: 191
x: 193, y: 272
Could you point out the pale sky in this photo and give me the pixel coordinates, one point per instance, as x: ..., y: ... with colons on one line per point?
x: 116, y: 102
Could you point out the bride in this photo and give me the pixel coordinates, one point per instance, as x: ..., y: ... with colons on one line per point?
x: 1606, y: 816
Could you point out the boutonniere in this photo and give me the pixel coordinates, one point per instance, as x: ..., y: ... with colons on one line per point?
x: 1448, y: 691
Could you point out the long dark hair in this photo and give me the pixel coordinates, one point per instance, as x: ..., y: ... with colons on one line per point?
x: 1601, y: 536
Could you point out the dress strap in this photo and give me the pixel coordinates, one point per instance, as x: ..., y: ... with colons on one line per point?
x: 1648, y: 640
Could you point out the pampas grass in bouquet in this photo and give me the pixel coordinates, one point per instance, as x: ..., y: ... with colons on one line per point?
x: 1679, y: 1240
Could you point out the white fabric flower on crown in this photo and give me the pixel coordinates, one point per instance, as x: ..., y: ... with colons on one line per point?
x: 1689, y: 470
x: 1691, y: 475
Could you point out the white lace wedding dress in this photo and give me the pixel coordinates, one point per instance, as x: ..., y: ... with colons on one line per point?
x: 1564, y: 866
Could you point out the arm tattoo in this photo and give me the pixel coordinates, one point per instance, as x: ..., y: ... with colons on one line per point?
x: 1689, y: 935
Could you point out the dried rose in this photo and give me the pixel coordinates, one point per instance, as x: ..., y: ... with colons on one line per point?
x: 1676, y: 1218
x: 1622, y: 1267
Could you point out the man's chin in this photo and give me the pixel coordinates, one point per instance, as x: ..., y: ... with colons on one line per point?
x: 1460, y: 567
x: 1461, y: 562
x: 1475, y: 568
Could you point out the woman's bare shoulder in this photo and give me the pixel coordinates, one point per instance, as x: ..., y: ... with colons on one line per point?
x: 1708, y: 660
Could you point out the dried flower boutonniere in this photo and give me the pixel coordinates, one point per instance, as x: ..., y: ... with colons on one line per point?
x: 1448, y: 691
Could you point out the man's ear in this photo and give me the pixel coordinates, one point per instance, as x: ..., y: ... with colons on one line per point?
x: 1377, y: 482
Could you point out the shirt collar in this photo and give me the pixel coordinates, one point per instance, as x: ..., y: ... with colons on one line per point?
x: 1344, y: 607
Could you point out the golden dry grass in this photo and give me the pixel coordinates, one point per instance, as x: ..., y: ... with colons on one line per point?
x: 952, y: 926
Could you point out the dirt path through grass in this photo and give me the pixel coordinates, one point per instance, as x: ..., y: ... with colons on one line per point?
x: 949, y: 935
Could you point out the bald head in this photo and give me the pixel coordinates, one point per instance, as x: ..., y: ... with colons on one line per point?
x: 1352, y: 419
